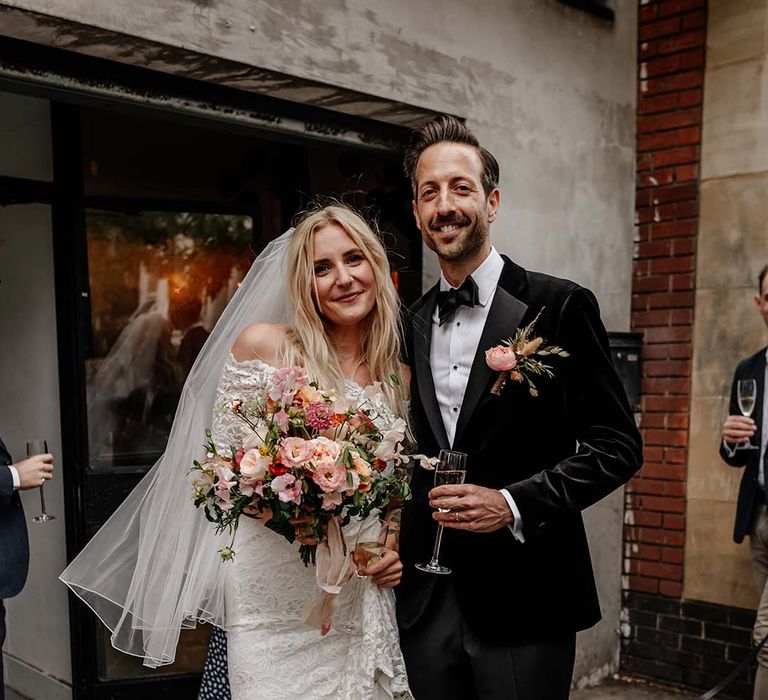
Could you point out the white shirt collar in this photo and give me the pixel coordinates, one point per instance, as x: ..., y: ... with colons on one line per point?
x: 486, y: 277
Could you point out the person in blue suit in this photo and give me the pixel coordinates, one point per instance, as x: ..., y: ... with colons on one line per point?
x: 14, y: 547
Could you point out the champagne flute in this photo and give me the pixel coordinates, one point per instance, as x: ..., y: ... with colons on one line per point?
x: 746, y: 394
x: 451, y: 469
x: 40, y: 447
x: 369, y: 546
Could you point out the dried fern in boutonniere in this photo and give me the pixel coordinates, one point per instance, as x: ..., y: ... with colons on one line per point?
x: 516, y: 358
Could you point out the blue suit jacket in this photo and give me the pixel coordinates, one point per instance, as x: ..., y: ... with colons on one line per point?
x: 14, y: 546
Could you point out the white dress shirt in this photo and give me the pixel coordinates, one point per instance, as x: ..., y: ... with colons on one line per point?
x: 731, y: 449
x: 453, y: 349
x: 15, y: 477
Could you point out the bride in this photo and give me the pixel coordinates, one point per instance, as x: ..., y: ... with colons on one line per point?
x: 154, y: 567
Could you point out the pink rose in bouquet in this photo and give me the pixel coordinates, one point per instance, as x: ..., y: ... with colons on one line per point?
x: 254, y: 465
x: 295, y: 451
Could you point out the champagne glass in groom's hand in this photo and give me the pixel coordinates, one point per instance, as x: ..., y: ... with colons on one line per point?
x: 40, y: 447
x: 451, y: 469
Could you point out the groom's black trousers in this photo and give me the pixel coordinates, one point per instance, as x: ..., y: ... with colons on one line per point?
x: 447, y: 661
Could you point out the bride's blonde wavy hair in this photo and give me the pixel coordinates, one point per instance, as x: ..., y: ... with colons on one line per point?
x: 308, y: 343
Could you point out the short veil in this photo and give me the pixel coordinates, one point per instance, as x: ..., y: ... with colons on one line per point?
x: 154, y: 566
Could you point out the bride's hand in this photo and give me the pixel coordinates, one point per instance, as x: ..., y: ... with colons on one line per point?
x: 386, y: 571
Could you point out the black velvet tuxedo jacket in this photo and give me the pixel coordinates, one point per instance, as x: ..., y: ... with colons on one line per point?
x: 557, y: 454
x: 14, y: 546
x: 750, y: 368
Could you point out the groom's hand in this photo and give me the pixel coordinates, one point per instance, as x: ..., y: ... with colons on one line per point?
x: 470, y: 507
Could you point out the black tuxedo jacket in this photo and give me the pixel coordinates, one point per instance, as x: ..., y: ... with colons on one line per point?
x: 14, y: 546
x: 556, y: 454
x: 750, y: 368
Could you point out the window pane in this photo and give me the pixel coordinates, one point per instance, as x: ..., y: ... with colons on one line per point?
x: 158, y: 283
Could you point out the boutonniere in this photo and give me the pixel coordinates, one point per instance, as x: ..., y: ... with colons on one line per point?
x: 516, y: 358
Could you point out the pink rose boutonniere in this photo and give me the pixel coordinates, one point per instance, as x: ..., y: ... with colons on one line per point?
x: 516, y: 358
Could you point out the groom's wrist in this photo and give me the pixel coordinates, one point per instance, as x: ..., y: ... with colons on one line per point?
x: 516, y: 524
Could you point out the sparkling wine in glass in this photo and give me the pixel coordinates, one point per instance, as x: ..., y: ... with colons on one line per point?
x: 451, y: 469
x: 746, y: 395
x: 40, y: 447
x: 367, y: 553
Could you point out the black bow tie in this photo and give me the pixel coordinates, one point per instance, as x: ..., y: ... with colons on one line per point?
x: 466, y: 295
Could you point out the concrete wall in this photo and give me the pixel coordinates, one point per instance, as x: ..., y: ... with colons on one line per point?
x: 549, y: 90
x: 733, y: 247
x: 36, y: 654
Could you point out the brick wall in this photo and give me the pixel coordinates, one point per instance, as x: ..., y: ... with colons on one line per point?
x: 664, y: 637
x: 670, y: 80
x: 687, y: 643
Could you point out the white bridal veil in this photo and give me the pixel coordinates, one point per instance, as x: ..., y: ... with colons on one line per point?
x: 154, y: 566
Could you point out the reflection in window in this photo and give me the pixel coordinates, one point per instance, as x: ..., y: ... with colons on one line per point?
x: 158, y: 283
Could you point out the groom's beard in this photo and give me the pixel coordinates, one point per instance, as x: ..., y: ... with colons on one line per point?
x: 465, y: 245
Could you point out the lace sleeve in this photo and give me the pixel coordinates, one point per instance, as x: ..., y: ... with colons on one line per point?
x: 237, y: 381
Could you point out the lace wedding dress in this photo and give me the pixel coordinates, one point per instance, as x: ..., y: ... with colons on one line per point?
x: 271, y: 652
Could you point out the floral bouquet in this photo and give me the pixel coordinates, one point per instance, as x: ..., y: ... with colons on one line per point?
x: 307, y: 454
x: 517, y: 359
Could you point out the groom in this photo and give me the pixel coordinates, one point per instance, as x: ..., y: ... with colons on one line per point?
x: 503, y: 623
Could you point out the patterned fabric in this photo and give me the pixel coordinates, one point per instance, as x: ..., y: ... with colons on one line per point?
x: 271, y: 653
x: 215, y: 682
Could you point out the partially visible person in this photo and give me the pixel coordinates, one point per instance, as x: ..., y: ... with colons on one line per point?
x: 14, y: 547
x: 744, y: 445
x: 214, y: 684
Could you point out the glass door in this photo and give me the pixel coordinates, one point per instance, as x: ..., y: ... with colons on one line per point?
x: 157, y: 283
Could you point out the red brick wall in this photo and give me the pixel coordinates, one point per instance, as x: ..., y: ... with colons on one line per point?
x: 670, y: 80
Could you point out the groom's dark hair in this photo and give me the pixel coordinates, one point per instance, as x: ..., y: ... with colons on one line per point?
x: 446, y: 128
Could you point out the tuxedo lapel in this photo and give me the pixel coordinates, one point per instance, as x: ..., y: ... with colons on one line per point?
x: 757, y: 413
x: 504, y: 317
x: 422, y: 342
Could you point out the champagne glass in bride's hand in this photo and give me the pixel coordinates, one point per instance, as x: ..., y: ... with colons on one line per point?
x: 746, y: 394
x: 40, y: 447
x: 368, y: 548
x: 451, y: 469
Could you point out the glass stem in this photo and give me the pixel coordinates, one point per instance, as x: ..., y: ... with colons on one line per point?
x: 352, y: 620
x: 436, y: 550
x: 42, y: 500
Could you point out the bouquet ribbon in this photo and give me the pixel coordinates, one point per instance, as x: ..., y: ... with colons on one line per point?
x: 332, y: 568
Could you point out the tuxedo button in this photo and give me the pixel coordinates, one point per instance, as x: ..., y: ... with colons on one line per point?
x: 455, y: 409
x: 455, y: 367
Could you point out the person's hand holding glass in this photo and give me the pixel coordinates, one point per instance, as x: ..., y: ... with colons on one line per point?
x: 35, y: 471
x: 374, y: 556
x: 451, y: 469
x: 739, y: 430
